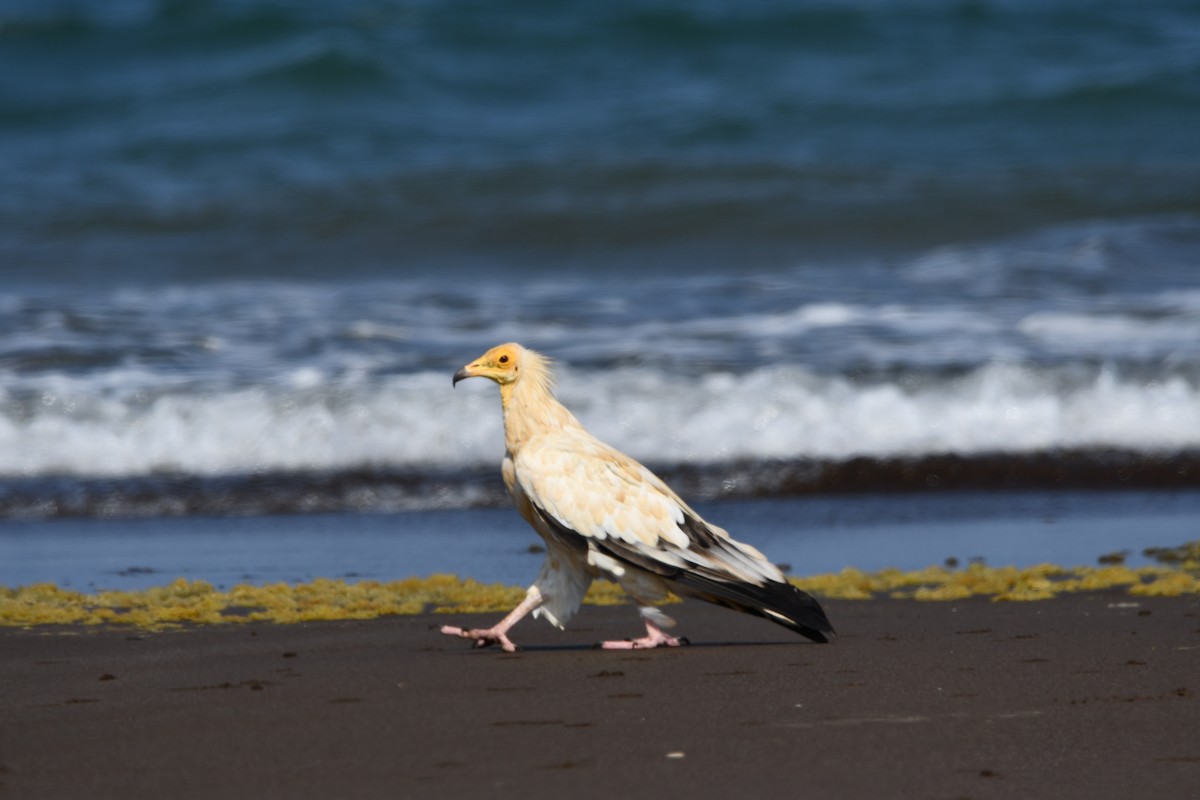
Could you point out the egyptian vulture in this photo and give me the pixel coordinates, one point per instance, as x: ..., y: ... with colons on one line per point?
x: 602, y: 514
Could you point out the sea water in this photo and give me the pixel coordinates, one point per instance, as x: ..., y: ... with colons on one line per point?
x: 806, y: 536
x: 244, y: 245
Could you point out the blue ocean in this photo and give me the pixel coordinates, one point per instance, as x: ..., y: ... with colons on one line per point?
x: 869, y: 281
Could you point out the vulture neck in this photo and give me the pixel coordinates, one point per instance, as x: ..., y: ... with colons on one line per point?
x: 530, y: 408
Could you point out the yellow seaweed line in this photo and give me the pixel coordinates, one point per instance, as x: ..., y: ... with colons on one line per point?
x: 1040, y: 582
x: 197, y: 602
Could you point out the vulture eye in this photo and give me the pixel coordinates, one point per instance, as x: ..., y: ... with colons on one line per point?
x: 503, y: 359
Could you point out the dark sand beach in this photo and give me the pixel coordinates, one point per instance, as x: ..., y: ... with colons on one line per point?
x: 1087, y: 695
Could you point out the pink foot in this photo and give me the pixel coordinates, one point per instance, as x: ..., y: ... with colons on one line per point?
x: 484, y: 637
x: 654, y: 638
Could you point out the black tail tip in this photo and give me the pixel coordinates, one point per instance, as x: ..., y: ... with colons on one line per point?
x: 796, y: 609
x: 820, y: 637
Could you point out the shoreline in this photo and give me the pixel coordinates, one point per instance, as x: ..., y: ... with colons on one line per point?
x: 810, y: 536
x: 1093, y: 694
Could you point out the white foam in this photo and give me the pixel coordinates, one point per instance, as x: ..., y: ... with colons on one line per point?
x: 790, y: 413
x: 781, y: 412
x: 1112, y: 333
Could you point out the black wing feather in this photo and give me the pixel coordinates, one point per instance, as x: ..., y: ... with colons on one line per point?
x: 780, y: 603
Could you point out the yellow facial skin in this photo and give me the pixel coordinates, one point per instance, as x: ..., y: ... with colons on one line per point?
x: 501, y: 364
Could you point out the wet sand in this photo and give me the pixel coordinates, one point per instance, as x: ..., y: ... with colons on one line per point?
x: 1083, y: 696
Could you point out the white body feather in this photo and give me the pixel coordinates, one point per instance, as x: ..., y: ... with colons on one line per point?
x: 604, y: 500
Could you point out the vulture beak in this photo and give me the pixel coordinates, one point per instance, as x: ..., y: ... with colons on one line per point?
x: 465, y: 372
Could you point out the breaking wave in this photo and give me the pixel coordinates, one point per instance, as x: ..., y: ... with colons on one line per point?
x: 413, y: 442
x: 769, y: 413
